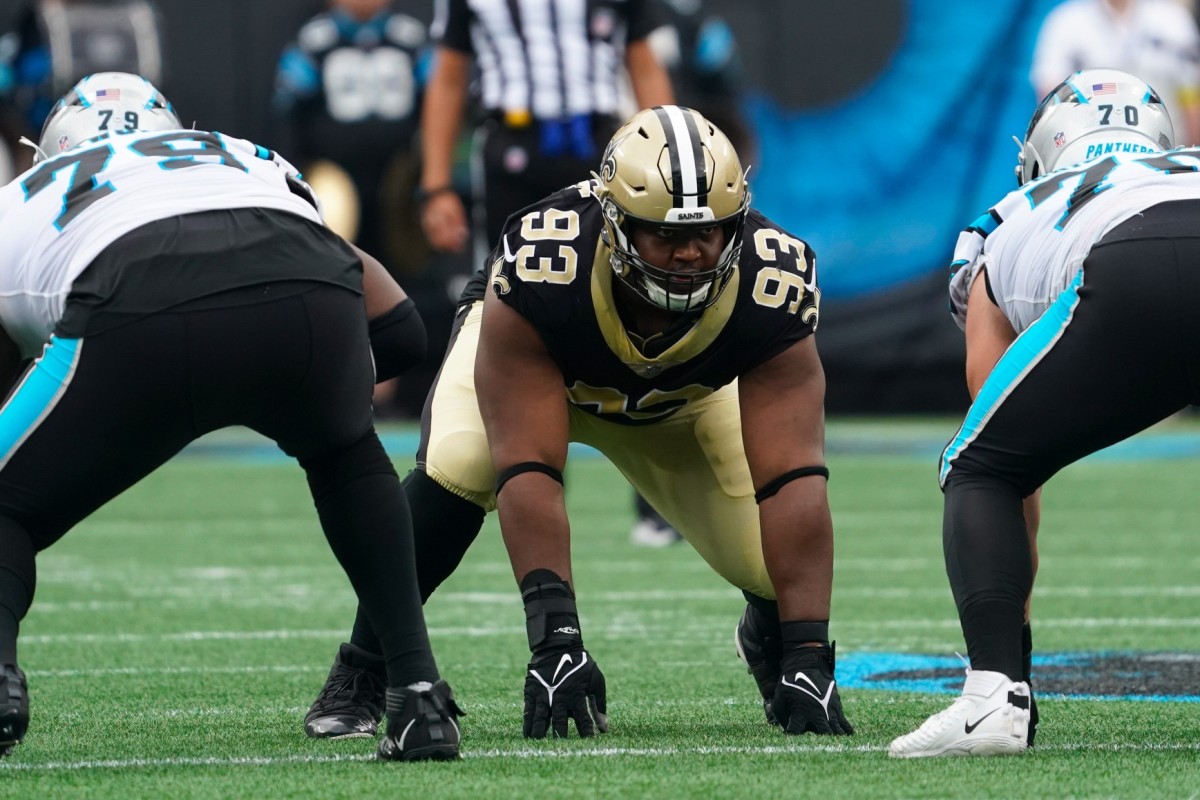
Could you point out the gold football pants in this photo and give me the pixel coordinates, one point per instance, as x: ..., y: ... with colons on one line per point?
x: 691, y: 467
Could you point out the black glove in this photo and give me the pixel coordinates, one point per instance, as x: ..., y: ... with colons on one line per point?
x: 806, y: 699
x: 562, y: 681
x: 561, y: 686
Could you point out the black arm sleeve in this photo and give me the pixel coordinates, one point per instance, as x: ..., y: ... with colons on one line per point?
x: 398, y: 340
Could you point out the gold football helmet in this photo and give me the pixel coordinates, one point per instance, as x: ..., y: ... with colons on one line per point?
x: 669, y: 167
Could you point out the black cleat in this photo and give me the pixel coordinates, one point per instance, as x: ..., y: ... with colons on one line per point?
x: 351, y: 702
x: 761, y: 652
x: 422, y: 724
x: 14, y: 707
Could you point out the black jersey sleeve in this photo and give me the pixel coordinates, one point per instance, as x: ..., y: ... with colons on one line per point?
x: 452, y: 25
x: 644, y: 17
x: 542, y: 263
x: 779, y: 286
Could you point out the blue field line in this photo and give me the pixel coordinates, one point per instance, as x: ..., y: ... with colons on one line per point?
x: 926, y: 674
x: 920, y: 443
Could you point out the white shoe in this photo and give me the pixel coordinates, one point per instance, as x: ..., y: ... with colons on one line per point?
x: 991, y: 718
x: 649, y: 533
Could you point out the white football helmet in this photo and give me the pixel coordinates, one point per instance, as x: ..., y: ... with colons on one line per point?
x: 1093, y: 113
x: 669, y: 167
x: 102, y: 103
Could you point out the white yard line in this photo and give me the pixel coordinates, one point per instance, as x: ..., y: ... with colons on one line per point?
x: 301, y: 597
x: 534, y: 754
x: 624, y: 631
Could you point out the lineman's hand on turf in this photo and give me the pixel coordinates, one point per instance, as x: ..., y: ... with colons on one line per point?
x: 560, y: 686
x: 806, y: 700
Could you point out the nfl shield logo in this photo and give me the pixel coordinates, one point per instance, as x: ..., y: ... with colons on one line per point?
x: 63, y: 144
x: 1060, y: 139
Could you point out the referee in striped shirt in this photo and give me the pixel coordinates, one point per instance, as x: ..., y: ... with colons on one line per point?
x: 550, y: 77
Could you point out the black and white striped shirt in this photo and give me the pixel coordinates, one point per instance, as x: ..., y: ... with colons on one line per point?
x: 553, y: 59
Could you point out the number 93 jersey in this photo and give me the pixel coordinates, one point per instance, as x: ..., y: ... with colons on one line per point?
x: 553, y: 267
x: 59, y: 215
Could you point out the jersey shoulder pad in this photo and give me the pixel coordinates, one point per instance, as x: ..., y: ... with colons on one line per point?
x: 563, y: 218
x: 766, y: 244
x: 406, y: 31
x: 319, y: 33
x: 548, y: 247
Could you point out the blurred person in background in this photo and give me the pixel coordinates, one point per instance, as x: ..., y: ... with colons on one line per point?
x: 1157, y: 40
x: 549, y: 92
x: 348, y: 101
x: 701, y: 54
x: 54, y: 43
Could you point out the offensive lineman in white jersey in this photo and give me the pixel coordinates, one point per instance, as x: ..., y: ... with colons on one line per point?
x: 1087, y: 268
x: 169, y: 282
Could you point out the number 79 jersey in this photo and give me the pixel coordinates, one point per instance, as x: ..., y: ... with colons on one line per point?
x: 553, y: 267
x: 1034, y: 241
x: 59, y: 215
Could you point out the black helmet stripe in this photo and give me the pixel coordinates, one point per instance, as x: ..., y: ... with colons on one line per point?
x: 689, y: 178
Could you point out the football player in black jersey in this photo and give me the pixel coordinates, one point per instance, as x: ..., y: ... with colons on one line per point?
x: 651, y: 314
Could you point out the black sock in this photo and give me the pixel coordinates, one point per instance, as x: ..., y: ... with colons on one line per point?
x: 366, y: 519
x: 18, y: 577
x: 1027, y: 675
x: 989, y: 566
x: 1027, y: 654
x: 992, y: 630
x: 766, y: 612
x: 444, y: 526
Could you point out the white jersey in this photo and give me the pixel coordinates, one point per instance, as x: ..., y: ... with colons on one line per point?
x: 59, y: 215
x: 1034, y: 241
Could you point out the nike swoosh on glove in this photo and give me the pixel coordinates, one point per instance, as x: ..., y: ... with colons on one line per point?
x: 561, y: 686
x: 806, y: 700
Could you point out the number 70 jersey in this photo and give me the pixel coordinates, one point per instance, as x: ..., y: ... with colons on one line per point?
x: 1034, y: 241
x: 59, y: 215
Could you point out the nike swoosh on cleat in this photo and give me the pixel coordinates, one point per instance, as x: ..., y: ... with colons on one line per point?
x: 969, y: 727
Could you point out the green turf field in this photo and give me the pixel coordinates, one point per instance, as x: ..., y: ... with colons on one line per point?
x: 178, y: 636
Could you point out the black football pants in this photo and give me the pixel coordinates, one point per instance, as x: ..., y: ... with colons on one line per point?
x: 96, y: 414
x: 1118, y: 352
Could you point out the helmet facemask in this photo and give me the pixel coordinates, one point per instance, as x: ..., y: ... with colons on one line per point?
x: 670, y: 169
x: 673, y: 290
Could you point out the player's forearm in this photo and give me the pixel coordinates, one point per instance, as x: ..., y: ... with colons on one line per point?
x: 650, y: 81
x: 797, y: 539
x: 441, y: 121
x: 533, y: 522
